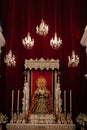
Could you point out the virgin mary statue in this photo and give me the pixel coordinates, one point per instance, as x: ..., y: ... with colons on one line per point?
x: 42, y: 102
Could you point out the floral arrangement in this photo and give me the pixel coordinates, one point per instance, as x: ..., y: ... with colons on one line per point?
x: 3, y: 118
x: 82, y: 119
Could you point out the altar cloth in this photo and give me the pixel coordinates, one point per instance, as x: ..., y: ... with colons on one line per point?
x: 16, y: 126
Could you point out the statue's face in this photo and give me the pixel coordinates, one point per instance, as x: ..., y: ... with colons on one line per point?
x: 42, y: 88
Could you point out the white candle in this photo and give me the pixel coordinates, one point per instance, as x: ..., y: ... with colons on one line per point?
x: 18, y: 102
x: 70, y: 100
x: 65, y: 101
x: 12, y: 99
x: 12, y: 103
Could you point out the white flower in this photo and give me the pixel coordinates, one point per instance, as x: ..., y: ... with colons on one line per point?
x: 81, y: 119
x: 3, y: 118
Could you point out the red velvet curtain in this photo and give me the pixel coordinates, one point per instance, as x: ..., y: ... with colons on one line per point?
x: 22, y: 16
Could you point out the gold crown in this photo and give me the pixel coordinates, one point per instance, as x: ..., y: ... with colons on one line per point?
x: 41, y: 81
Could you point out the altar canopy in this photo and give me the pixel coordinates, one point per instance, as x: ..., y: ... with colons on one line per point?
x: 41, y: 67
x: 42, y: 85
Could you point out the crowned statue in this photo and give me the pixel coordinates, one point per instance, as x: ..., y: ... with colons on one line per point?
x: 42, y: 102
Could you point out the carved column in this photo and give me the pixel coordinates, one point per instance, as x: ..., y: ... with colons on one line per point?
x: 39, y: 64
x: 25, y: 100
x: 58, y: 99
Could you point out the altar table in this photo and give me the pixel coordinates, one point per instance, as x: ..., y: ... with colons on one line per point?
x: 16, y: 126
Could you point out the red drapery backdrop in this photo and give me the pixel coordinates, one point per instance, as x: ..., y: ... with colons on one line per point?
x: 22, y: 16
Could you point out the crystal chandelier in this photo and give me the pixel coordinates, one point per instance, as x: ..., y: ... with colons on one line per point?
x: 10, y: 59
x: 73, y: 61
x: 55, y: 42
x: 28, y: 42
x: 85, y: 76
x: 42, y: 29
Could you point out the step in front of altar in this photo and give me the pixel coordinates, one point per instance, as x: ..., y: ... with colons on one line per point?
x: 42, y: 119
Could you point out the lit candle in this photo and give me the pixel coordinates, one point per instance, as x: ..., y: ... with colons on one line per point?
x: 70, y: 101
x: 65, y: 101
x: 18, y: 102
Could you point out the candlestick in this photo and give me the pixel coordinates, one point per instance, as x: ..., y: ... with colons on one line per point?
x: 18, y: 102
x: 12, y: 103
x: 65, y: 101
x: 71, y: 102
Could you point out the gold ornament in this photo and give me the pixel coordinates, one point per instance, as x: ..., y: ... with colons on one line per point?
x: 41, y: 81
